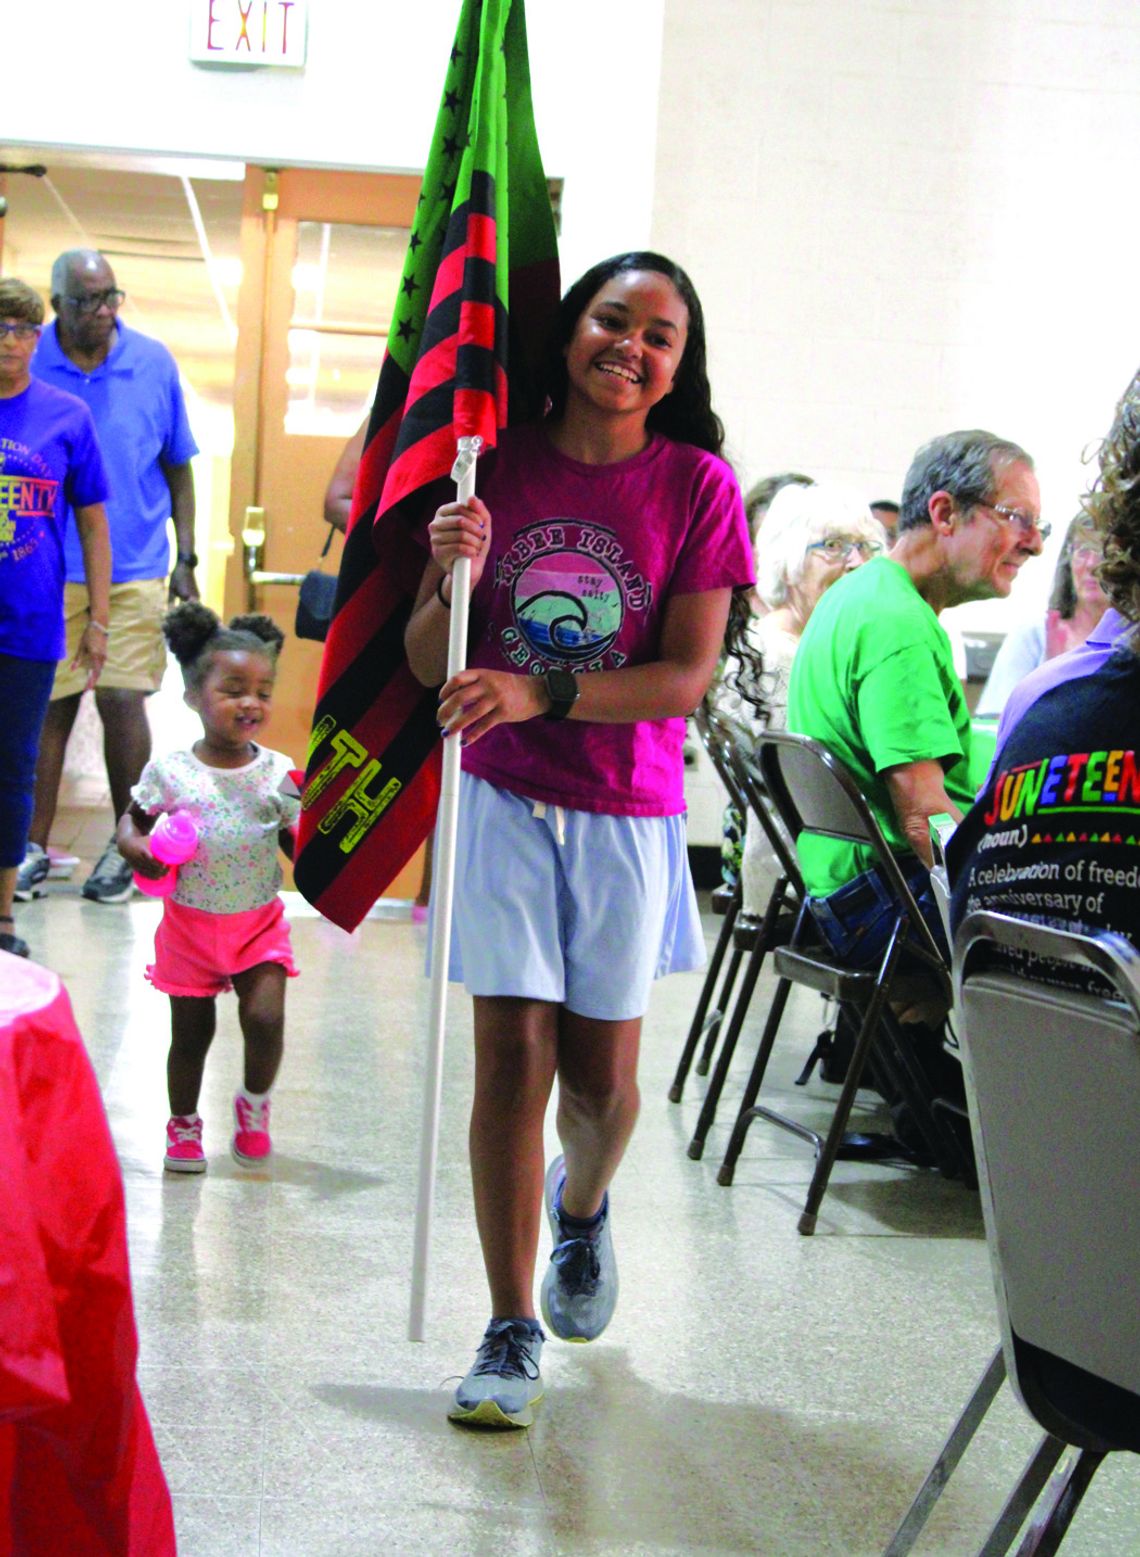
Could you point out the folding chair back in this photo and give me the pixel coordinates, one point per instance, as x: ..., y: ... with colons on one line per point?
x: 1053, y: 1077
x: 808, y: 781
x: 814, y: 792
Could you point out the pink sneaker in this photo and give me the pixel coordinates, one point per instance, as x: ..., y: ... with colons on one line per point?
x: 184, y: 1152
x: 251, y: 1143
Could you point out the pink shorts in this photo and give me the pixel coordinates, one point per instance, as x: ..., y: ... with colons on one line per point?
x: 198, y: 953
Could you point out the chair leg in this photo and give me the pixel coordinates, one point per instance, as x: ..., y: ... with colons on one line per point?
x: 1050, y: 1527
x: 747, y: 1110
x: 825, y: 1161
x: 952, y: 1451
x: 698, y: 1022
x: 712, y: 1026
x: 1022, y: 1498
x: 728, y: 1048
x: 765, y: 934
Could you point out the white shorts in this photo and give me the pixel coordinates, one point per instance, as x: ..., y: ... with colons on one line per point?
x: 573, y: 907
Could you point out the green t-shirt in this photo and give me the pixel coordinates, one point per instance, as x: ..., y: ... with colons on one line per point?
x: 874, y: 681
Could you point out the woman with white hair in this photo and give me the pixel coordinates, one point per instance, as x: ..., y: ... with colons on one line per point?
x: 810, y: 538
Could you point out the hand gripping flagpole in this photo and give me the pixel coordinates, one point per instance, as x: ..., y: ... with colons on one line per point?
x: 442, y: 891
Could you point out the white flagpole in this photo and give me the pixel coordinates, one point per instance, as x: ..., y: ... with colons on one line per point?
x: 442, y: 889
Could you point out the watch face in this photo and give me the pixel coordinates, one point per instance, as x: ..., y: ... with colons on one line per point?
x: 562, y: 685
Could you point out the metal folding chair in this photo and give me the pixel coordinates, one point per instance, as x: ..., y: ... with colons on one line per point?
x: 756, y: 936
x: 1053, y: 1082
x: 811, y: 790
x: 706, y: 1023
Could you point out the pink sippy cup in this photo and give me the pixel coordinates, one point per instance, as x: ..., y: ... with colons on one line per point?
x: 173, y: 840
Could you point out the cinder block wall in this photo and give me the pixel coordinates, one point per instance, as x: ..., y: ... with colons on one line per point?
x: 905, y: 217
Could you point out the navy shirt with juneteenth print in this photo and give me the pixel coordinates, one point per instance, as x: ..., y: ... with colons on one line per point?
x: 1055, y: 837
x: 49, y: 465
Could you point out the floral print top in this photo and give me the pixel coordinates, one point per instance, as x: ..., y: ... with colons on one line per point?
x: 239, y: 812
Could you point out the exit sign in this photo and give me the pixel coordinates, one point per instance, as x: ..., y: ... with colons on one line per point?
x: 248, y: 32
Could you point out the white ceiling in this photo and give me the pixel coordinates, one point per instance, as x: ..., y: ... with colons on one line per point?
x: 141, y: 215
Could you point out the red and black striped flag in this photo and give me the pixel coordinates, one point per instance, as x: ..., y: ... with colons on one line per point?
x: 481, y: 265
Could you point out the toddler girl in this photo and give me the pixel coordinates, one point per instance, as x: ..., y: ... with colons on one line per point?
x: 223, y: 926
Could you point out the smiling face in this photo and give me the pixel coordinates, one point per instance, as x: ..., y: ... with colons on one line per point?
x: 627, y: 345
x: 988, y: 550
x: 233, y: 699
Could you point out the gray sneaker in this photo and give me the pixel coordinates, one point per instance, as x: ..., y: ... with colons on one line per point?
x: 111, y: 881
x: 10, y: 942
x: 580, y: 1288
x: 504, y: 1382
x: 32, y: 874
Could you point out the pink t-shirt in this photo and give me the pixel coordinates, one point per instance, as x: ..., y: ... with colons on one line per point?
x: 584, y: 559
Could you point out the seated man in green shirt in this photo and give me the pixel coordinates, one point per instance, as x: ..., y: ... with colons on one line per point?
x: 874, y: 679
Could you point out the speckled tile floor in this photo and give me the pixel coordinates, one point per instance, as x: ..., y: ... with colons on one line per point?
x: 756, y: 1392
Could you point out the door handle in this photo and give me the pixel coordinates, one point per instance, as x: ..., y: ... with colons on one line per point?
x: 253, y: 542
x: 253, y: 555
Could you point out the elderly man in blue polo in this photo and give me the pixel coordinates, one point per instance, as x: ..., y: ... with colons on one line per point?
x: 130, y: 384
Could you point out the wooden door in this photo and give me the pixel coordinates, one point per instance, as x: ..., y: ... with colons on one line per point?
x: 322, y: 255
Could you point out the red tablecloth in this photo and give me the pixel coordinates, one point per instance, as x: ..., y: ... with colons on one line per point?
x: 79, y: 1472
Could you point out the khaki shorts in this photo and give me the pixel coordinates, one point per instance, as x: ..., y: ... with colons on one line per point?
x: 136, y: 649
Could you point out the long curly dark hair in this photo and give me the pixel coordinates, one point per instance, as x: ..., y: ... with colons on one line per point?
x: 1114, y: 505
x: 742, y: 666
x: 195, y: 634
x: 686, y: 413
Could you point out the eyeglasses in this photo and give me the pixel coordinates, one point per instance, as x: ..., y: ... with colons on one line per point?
x: 91, y: 302
x: 1024, y: 522
x: 1091, y: 551
x: 22, y: 332
x: 836, y: 548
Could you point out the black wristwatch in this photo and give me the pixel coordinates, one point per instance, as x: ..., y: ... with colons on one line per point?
x: 562, y: 688
x: 190, y: 558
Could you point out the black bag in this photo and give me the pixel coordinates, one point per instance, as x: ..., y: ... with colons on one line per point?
x: 316, y: 600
